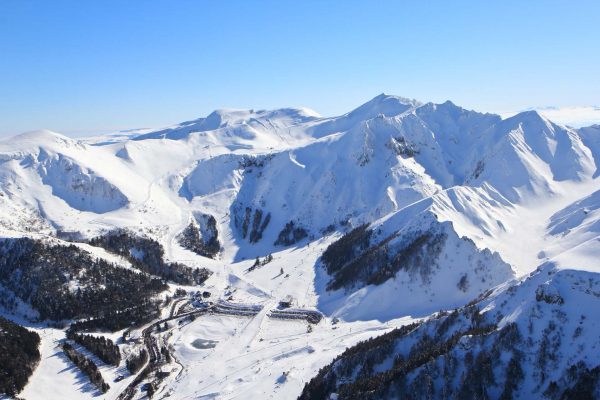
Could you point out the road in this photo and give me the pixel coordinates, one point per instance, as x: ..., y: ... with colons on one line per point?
x: 154, y: 354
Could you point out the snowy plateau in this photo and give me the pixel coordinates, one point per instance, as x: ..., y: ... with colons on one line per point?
x: 402, y: 250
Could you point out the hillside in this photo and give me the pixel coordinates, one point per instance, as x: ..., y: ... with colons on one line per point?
x: 182, y: 241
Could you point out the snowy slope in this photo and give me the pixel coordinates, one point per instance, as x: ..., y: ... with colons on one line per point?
x: 489, y: 200
x: 484, y: 175
x: 239, y: 128
x: 295, y: 166
x: 529, y: 340
x: 531, y: 154
x: 431, y: 268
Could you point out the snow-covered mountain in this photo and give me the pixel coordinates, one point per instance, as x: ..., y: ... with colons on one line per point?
x: 528, y: 340
x: 384, y: 215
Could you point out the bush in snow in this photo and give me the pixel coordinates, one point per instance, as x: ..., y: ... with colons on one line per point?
x: 290, y: 235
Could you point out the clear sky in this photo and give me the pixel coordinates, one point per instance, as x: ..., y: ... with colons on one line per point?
x: 88, y: 66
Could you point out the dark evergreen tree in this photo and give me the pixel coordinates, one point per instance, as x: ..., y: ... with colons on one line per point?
x: 87, y: 366
x: 290, y: 235
x: 147, y: 255
x: 137, y: 361
x: 42, y: 275
x: 191, y: 239
x: 19, y: 355
x: 103, y: 348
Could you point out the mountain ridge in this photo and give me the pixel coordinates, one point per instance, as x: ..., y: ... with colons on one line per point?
x: 425, y: 207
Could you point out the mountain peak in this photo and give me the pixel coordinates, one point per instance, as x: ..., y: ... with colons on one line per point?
x: 385, y: 98
x: 529, y: 117
x: 40, y: 134
x: 532, y: 114
x: 232, y: 117
x: 38, y: 138
x: 446, y: 106
x: 385, y: 104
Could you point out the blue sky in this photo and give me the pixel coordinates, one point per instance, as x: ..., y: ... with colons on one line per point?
x: 89, y: 66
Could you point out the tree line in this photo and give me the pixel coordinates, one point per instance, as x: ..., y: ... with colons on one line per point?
x: 101, y: 347
x: 354, y: 260
x: 87, y: 366
x: 190, y: 239
x: 66, y: 282
x: 147, y: 255
x: 464, y: 354
x: 114, y: 320
x: 19, y: 356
